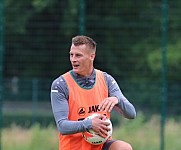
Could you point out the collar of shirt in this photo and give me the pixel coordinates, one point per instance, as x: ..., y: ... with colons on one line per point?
x: 85, y: 82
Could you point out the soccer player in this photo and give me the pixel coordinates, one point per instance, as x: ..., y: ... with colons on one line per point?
x: 82, y: 91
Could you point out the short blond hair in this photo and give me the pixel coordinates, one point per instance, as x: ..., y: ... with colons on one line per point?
x: 81, y: 40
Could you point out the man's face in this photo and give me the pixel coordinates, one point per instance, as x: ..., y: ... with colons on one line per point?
x: 81, y: 59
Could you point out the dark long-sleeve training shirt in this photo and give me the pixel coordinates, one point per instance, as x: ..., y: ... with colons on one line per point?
x: 59, y: 102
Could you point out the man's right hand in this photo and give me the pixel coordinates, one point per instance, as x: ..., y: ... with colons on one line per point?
x: 100, y: 126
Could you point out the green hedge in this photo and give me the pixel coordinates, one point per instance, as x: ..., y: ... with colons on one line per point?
x: 28, y: 119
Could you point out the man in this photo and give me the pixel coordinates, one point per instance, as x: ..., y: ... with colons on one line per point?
x: 82, y: 91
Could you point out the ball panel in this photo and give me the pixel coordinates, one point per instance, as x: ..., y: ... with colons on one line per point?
x: 93, y: 138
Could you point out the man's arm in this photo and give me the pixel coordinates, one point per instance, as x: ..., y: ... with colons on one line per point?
x: 123, y: 106
x: 59, y: 102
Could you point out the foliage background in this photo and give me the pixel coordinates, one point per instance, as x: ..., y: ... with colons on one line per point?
x: 139, y: 133
x: 128, y: 33
x: 37, y: 38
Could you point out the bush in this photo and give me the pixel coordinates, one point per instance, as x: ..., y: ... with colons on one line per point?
x: 34, y: 138
x: 141, y: 133
x: 26, y: 120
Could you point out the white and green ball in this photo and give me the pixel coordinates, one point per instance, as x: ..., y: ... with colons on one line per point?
x: 92, y: 137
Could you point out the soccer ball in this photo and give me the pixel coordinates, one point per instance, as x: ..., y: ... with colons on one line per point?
x: 93, y: 138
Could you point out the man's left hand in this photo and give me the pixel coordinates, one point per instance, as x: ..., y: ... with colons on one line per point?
x: 108, y: 103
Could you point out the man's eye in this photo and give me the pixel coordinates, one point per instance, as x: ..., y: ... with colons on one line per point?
x: 78, y: 55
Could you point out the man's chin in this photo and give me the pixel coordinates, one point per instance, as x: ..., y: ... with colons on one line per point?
x: 76, y: 71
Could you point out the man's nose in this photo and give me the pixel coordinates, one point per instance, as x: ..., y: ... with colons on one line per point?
x: 73, y: 58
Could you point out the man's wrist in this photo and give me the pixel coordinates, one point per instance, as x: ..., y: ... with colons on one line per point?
x: 117, y: 103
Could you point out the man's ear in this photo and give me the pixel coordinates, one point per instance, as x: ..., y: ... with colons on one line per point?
x: 92, y: 56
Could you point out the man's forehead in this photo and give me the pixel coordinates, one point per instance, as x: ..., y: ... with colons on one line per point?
x: 83, y: 46
x: 78, y: 48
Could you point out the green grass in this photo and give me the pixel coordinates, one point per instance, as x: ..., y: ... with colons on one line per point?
x: 35, y: 138
x: 141, y: 134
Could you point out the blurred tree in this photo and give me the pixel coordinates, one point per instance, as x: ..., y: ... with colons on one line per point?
x: 34, y: 36
x: 38, y: 35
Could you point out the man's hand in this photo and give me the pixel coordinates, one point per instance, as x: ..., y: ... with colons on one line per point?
x: 99, y: 126
x: 108, y: 103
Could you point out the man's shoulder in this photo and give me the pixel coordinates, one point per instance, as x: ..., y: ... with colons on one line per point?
x: 108, y: 78
x: 59, y: 82
x: 59, y: 85
x: 106, y: 75
x: 58, y: 79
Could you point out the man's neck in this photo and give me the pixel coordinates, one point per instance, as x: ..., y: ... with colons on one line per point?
x: 84, y: 76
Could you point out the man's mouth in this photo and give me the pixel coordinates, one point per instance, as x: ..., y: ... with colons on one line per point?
x: 75, y: 66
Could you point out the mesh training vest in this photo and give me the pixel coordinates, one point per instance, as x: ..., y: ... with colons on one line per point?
x: 82, y: 102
